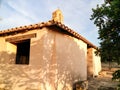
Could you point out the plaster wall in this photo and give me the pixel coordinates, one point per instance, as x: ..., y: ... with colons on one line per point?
x: 71, y: 55
x: 8, y: 49
x: 11, y: 51
x: 61, y: 54
x: 96, y: 63
x: 57, y: 61
x: 93, y: 63
x: 90, y: 69
x: 3, y: 55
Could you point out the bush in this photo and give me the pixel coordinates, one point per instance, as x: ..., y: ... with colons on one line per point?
x: 116, y: 76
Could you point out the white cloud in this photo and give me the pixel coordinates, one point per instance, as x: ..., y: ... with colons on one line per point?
x: 76, y: 14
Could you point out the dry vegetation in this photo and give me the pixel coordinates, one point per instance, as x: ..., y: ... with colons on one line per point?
x: 104, y: 80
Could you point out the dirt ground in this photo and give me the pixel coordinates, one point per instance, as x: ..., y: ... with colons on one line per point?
x: 104, y: 80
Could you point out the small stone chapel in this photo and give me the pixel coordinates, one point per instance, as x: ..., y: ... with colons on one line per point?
x: 45, y: 56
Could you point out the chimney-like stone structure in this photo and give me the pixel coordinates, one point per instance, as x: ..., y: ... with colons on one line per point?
x: 57, y: 16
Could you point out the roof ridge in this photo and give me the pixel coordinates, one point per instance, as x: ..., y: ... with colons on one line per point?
x: 31, y: 26
x: 44, y: 24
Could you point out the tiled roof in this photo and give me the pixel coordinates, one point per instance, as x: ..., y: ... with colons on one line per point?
x: 45, y: 24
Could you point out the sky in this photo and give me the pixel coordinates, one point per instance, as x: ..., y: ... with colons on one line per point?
x: 14, y: 13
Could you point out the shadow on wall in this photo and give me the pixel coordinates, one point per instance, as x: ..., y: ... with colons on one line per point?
x: 45, y: 73
x: 15, y: 77
x: 23, y: 77
x: 6, y: 57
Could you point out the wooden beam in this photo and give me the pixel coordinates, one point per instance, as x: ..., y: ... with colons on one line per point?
x: 20, y: 38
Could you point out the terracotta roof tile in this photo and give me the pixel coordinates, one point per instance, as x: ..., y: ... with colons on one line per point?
x: 44, y: 24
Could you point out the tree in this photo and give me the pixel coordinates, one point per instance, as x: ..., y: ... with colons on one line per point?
x: 107, y: 18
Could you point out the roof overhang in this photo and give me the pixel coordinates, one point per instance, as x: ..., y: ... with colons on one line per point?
x: 45, y: 24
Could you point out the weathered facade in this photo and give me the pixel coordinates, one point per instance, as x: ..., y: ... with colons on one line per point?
x: 93, y: 62
x: 45, y: 56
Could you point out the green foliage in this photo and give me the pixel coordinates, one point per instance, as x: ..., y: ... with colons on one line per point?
x: 116, y: 76
x: 107, y: 18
